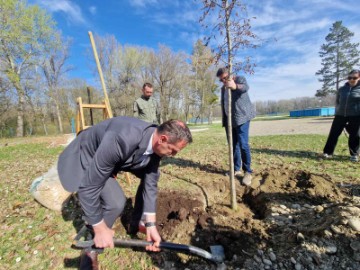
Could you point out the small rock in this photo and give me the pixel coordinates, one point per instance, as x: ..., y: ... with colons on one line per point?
x: 267, y: 262
x: 311, y: 192
x: 283, y: 206
x: 327, y: 234
x: 355, y: 245
x: 344, y: 221
x: 183, y: 213
x: 314, y: 240
x: 317, y: 258
x: 355, y: 224
x: 221, y: 266
x: 298, y: 266
x: 260, y: 252
x: 272, y: 256
x: 191, y: 220
x: 296, y: 206
x: 344, y: 214
x: 353, y: 210
x: 356, y: 257
x: 293, y: 260
x: 336, y: 229
x: 300, y: 237
x: 307, y: 206
x: 330, y: 249
x: 319, y: 209
x: 257, y: 259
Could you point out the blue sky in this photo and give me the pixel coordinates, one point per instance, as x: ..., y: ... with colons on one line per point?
x: 286, y: 63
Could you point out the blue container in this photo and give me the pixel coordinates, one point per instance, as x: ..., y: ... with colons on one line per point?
x: 325, y: 111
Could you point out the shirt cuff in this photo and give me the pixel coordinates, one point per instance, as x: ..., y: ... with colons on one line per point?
x: 97, y: 223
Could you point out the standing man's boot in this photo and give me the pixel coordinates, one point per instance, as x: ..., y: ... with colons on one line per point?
x: 89, y: 260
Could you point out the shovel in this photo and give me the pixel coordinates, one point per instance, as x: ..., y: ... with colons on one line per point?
x: 217, y: 252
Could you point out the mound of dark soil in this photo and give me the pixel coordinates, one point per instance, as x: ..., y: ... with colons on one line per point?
x: 296, y: 216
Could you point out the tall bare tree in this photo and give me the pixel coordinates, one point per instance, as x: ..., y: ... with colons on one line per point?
x: 122, y: 67
x: 166, y: 69
x: 25, y: 30
x: 231, y: 32
x: 54, y: 68
x: 204, y: 78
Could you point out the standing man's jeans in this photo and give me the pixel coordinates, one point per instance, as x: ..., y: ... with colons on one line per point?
x: 352, y: 125
x: 241, y: 148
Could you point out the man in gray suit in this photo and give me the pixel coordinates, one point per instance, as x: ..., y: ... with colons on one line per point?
x: 90, y: 163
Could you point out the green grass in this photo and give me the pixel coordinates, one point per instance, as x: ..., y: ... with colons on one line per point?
x: 42, y: 238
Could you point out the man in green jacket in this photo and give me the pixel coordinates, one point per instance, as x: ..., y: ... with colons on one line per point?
x: 145, y: 107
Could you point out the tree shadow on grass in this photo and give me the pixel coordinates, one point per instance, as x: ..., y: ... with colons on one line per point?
x: 187, y: 163
x: 297, y: 154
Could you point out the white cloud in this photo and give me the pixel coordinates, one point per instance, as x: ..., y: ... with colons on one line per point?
x: 93, y: 10
x: 285, y: 80
x: 72, y: 10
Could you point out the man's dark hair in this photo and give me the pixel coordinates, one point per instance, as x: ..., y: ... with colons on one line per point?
x: 221, y: 71
x: 355, y: 71
x: 176, y: 130
x: 148, y: 85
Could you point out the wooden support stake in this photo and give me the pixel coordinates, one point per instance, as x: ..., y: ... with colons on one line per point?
x: 100, y: 73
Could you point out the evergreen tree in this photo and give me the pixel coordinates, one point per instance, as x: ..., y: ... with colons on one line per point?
x: 338, y: 56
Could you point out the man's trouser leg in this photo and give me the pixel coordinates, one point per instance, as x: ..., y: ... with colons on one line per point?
x: 337, y: 127
x: 243, y: 137
x: 236, y: 148
x: 353, y: 129
x: 113, y: 202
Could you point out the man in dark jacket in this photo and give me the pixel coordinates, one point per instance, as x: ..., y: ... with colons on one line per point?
x: 242, y: 112
x: 90, y: 163
x: 347, y: 115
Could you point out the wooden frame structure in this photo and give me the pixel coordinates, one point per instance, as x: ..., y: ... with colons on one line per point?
x: 80, y: 119
x: 105, y: 106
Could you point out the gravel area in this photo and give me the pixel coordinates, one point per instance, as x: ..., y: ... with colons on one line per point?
x: 318, y: 125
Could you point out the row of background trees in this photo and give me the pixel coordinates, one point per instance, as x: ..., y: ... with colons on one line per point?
x: 38, y: 97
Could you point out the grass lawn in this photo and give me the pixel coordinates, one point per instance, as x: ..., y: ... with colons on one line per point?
x: 33, y: 237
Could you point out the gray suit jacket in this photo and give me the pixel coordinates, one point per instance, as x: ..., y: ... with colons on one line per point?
x: 100, y: 152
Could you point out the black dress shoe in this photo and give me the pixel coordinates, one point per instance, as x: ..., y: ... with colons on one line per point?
x: 132, y: 229
x: 89, y: 260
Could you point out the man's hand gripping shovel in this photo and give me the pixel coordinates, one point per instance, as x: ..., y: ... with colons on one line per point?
x: 216, y: 256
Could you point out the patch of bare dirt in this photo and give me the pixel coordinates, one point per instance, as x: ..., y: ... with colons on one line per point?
x: 307, y: 125
x: 288, y: 219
